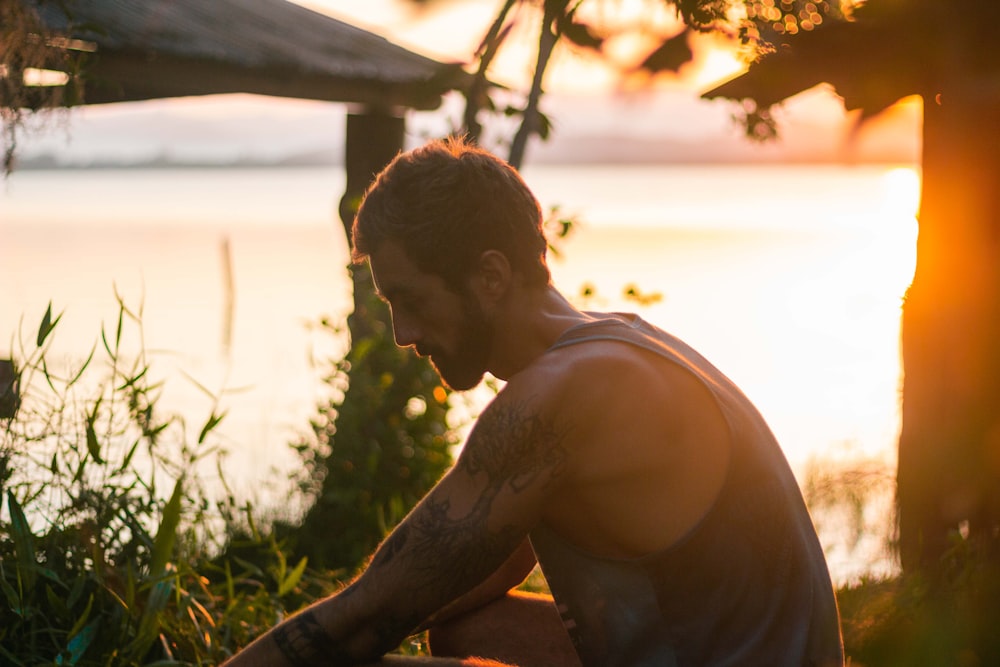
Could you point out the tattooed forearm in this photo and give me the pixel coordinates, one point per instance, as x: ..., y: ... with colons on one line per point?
x: 304, y: 643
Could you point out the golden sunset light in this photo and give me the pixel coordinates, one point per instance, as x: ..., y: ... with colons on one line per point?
x: 278, y: 307
x: 218, y: 221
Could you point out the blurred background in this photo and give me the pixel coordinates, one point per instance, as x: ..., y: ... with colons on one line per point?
x: 785, y: 262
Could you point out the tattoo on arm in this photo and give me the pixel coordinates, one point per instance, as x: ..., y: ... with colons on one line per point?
x: 304, y: 643
x: 516, y: 448
x: 513, y: 450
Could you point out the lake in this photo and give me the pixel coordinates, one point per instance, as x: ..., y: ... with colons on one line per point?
x: 790, y: 278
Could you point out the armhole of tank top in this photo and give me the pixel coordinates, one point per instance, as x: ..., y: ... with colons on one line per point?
x: 570, y: 338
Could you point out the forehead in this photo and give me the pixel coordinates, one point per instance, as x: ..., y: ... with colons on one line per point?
x: 395, y: 274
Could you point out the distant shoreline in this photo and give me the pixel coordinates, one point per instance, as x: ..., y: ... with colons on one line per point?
x: 567, y: 150
x: 48, y: 163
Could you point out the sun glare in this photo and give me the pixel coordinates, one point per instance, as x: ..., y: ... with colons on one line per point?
x: 717, y: 65
x: 902, y: 191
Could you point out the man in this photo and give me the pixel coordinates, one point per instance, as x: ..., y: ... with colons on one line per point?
x: 662, y: 512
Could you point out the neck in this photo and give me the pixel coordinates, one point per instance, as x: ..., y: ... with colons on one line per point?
x: 527, y: 324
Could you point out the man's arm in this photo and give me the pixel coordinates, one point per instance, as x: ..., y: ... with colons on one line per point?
x: 507, y: 577
x: 456, y: 537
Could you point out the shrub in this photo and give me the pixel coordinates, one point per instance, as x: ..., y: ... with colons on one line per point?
x: 378, y: 446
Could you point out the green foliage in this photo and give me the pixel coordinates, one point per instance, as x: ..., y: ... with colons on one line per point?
x: 380, y: 445
x: 948, y: 620
x: 106, y: 535
x: 945, y: 618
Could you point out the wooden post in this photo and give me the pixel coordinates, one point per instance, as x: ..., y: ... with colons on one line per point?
x: 374, y: 138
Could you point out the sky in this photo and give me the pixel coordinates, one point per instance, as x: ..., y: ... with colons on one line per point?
x: 586, y: 99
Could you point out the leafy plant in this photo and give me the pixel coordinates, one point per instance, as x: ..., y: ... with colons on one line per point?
x: 916, y: 619
x: 377, y: 447
x: 109, y: 546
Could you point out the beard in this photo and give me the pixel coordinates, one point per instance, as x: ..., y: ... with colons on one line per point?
x: 464, y: 367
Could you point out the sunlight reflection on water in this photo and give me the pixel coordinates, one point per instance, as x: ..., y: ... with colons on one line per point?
x: 789, y: 278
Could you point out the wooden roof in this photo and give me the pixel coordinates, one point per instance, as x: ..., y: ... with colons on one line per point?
x: 872, y: 61
x: 172, y: 48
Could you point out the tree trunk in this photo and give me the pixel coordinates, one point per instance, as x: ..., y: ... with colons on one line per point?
x: 949, y: 447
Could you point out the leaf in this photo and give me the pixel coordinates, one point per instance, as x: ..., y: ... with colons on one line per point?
x: 118, y: 330
x: 83, y: 367
x: 24, y: 541
x: 148, y: 630
x: 93, y: 446
x: 670, y: 55
x: 83, y: 617
x: 166, y: 534
x: 230, y: 585
x: 79, y: 643
x: 128, y: 457
x: 212, y: 422
x: 581, y: 35
x: 47, y: 325
x: 249, y: 568
x: 13, y: 599
x: 56, y: 603
x: 292, y: 580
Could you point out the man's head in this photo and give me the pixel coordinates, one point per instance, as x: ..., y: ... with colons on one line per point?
x: 447, y: 203
x: 447, y: 228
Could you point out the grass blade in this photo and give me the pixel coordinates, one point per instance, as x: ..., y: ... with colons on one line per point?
x: 292, y: 580
x: 212, y: 422
x: 166, y: 534
x: 24, y: 542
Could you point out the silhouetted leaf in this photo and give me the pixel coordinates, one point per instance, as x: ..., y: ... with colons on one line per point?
x: 47, y: 325
x: 212, y: 422
x: 581, y: 35
x: 93, y: 446
x: 670, y: 55
x: 24, y: 542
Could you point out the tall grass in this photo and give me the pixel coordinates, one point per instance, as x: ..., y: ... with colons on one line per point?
x: 946, y: 615
x: 111, y: 552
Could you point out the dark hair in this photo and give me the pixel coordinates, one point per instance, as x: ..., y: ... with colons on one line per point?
x: 446, y: 203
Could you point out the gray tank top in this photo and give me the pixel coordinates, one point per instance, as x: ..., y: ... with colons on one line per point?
x: 748, y: 585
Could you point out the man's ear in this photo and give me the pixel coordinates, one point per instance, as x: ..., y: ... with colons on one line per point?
x: 493, y: 277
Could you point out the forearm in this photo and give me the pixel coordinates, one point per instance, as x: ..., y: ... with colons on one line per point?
x: 507, y: 576
x: 297, y: 642
x: 319, y: 635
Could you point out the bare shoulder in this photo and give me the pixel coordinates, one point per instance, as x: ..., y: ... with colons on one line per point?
x: 566, y: 382
x: 644, y: 442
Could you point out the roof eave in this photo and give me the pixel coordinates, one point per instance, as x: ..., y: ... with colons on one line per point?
x: 118, y: 76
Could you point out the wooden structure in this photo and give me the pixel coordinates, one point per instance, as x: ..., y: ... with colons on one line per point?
x: 153, y: 50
